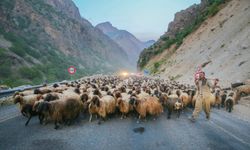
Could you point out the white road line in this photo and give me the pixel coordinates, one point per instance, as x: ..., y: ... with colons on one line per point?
x: 3, y: 120
x: 229, y: 133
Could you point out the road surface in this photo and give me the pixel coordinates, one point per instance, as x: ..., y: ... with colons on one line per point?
x: 223, y: 131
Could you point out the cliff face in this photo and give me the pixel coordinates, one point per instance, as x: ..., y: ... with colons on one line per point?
x: 221, y: 42
x: 183, y: 24
x: 47, y: 37
x: 125, y: 40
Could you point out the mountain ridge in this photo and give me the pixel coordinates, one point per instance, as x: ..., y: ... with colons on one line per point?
x: 45, y: 38
x: 125, y: 40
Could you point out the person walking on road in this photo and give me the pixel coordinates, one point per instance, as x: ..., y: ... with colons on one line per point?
x: 204, y: 91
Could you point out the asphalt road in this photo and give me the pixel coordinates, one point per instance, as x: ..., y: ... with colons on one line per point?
x: 222, y: 132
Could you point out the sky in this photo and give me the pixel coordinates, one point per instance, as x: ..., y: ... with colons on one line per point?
x: 146, y: 19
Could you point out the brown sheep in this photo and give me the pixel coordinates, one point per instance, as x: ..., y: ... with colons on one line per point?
x: 60, y: 111
x: 218, y: 99
x: 150, y: 106
x: 123, y: 104
x: 243, y: 89
x: 102, y: 106
x: 184, y: 98
x: 26, y: 104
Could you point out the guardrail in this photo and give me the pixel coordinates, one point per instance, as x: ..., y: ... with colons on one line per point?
x: 4, y: 93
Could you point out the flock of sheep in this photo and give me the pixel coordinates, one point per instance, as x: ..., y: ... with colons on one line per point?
x: 106, y: 95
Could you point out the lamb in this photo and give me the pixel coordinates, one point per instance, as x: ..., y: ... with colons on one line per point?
x: 65, y: 110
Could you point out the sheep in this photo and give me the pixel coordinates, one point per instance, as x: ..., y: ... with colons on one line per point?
x: 150, y: 106
x: 123, y: 104
x: 26, y: 104
x: 64, y: 110
x: 184, y: 98
x: 243, y: 89
x: 223, y: 98
x: 29, y: 99
x: 230, y: 101
x: 24, y: 93
x: 172, y: 103
x: 102, y: 106
x: 218, y: 99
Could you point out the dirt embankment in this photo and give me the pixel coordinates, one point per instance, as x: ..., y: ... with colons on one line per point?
x: 222, y: 40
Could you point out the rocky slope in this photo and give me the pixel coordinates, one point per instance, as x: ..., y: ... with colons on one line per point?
x: 221, y: 41
x: 126, y: 40
x: 39, y: 40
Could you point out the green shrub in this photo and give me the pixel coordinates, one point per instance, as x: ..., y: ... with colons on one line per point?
x: 29, y: 73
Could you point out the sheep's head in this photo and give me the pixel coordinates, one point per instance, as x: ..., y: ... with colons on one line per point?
x: 148, y: 91
x: 178, y: 105
x: 37, y: 91
x: 217, y: 93
x: 163, y: 99
x: 96, y: 101
x: 77, y: 91
x: 18, y: 99
x: 133, y: 101
x: 16, y: 93
x: 97, y: 92
x: 49, y: 97
x: 55, y: 85
x: 118, y: 94
x: 109, y: 93
x: 84, y: 97
x: 130, y: 92
x: 122, y: 89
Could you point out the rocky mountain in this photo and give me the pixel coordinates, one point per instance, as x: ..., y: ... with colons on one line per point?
x: 39, y: 40
x: 218, y: 39
x: 149, y: 43
x: 126, y: 40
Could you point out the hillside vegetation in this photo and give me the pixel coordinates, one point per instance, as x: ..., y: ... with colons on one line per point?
x: 39, y: 40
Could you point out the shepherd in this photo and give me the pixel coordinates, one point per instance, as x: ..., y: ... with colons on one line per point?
x: 204, y: 86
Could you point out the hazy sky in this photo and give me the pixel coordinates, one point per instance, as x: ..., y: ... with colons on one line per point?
x: 146, y: 19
